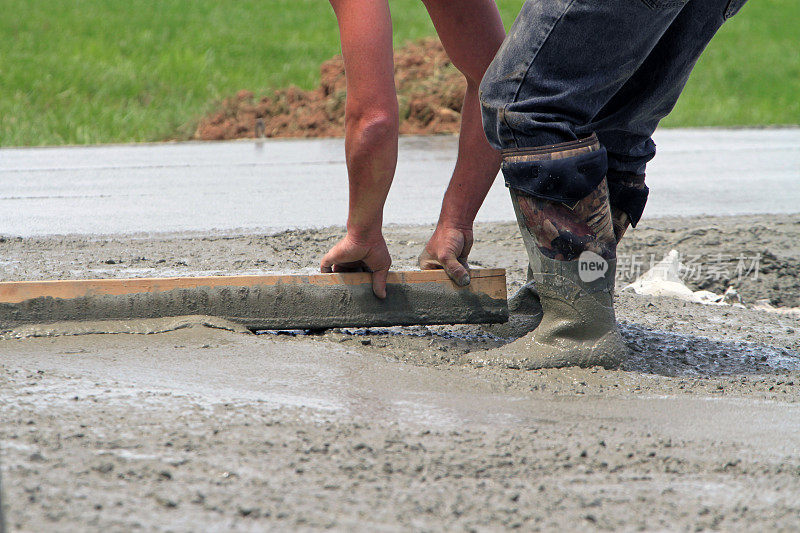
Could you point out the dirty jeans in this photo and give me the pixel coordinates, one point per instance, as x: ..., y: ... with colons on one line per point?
x: 570, y: 68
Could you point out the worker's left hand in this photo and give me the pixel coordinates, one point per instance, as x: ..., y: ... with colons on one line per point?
x: 353, y: 254
x: 448, y: 248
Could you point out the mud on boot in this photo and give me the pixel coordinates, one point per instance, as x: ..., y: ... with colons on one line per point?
x: 577, y: 328
x: 524, y: 312
x: 561, y: 201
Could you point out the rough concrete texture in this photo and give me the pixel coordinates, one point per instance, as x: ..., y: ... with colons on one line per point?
x: 200, y: 428
x: 279, y: 306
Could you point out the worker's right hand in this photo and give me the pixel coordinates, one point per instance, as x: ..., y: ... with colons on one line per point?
x: 448, y: 249
x: 353, y: 254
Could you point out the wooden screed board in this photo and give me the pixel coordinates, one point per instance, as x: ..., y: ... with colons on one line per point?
x: 264, y: 302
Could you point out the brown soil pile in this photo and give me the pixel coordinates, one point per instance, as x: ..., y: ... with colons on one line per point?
x: 429, y: 88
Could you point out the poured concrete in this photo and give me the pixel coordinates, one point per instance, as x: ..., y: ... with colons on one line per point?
x: 281, y: 184
x: 207, y: 430
x: 380, y: 429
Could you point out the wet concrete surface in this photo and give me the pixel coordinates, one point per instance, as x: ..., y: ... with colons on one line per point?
x: 187, y: 428
x: 185, y: 425
x: 206, y: 429
x: 337, y: 382
x: 281, y: 184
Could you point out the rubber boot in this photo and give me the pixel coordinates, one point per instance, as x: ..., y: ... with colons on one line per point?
x: 621, y: 222
x: 572, y: 255
x: 524, y: 312
x: 628, y: 196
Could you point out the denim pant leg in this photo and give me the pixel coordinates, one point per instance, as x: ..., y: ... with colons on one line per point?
x: 625, y: 124
x: 562, y: 62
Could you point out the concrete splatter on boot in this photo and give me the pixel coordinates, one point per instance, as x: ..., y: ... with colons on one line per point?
x: 525, y: 307
x: 569, y: 238
x: 628, y: 196
x: 524, y: 312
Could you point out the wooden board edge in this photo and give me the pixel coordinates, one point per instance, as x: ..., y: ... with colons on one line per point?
x: 489, y: 281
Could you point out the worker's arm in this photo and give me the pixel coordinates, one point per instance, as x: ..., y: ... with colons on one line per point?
x: 371, y: 131
x: 471, y: 32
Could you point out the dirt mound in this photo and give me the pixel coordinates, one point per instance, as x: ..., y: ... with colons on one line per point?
x: 429, y: 88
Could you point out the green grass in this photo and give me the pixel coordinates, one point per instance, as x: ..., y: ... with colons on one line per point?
x: 98, y: 71
x: 749, y: 74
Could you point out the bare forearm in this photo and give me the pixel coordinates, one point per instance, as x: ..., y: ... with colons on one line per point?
x: 371, y: 149
x: 471, y: 32
x: 365, y: 28
x: 476, y: 168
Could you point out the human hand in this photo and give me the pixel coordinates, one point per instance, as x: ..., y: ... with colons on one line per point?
x: 448, y: 249
x: 361, y: 255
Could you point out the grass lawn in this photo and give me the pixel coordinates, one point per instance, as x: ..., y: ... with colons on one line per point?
x: 98, y: 71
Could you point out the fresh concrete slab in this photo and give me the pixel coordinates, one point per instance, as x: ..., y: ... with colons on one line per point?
x: 281, y: 184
